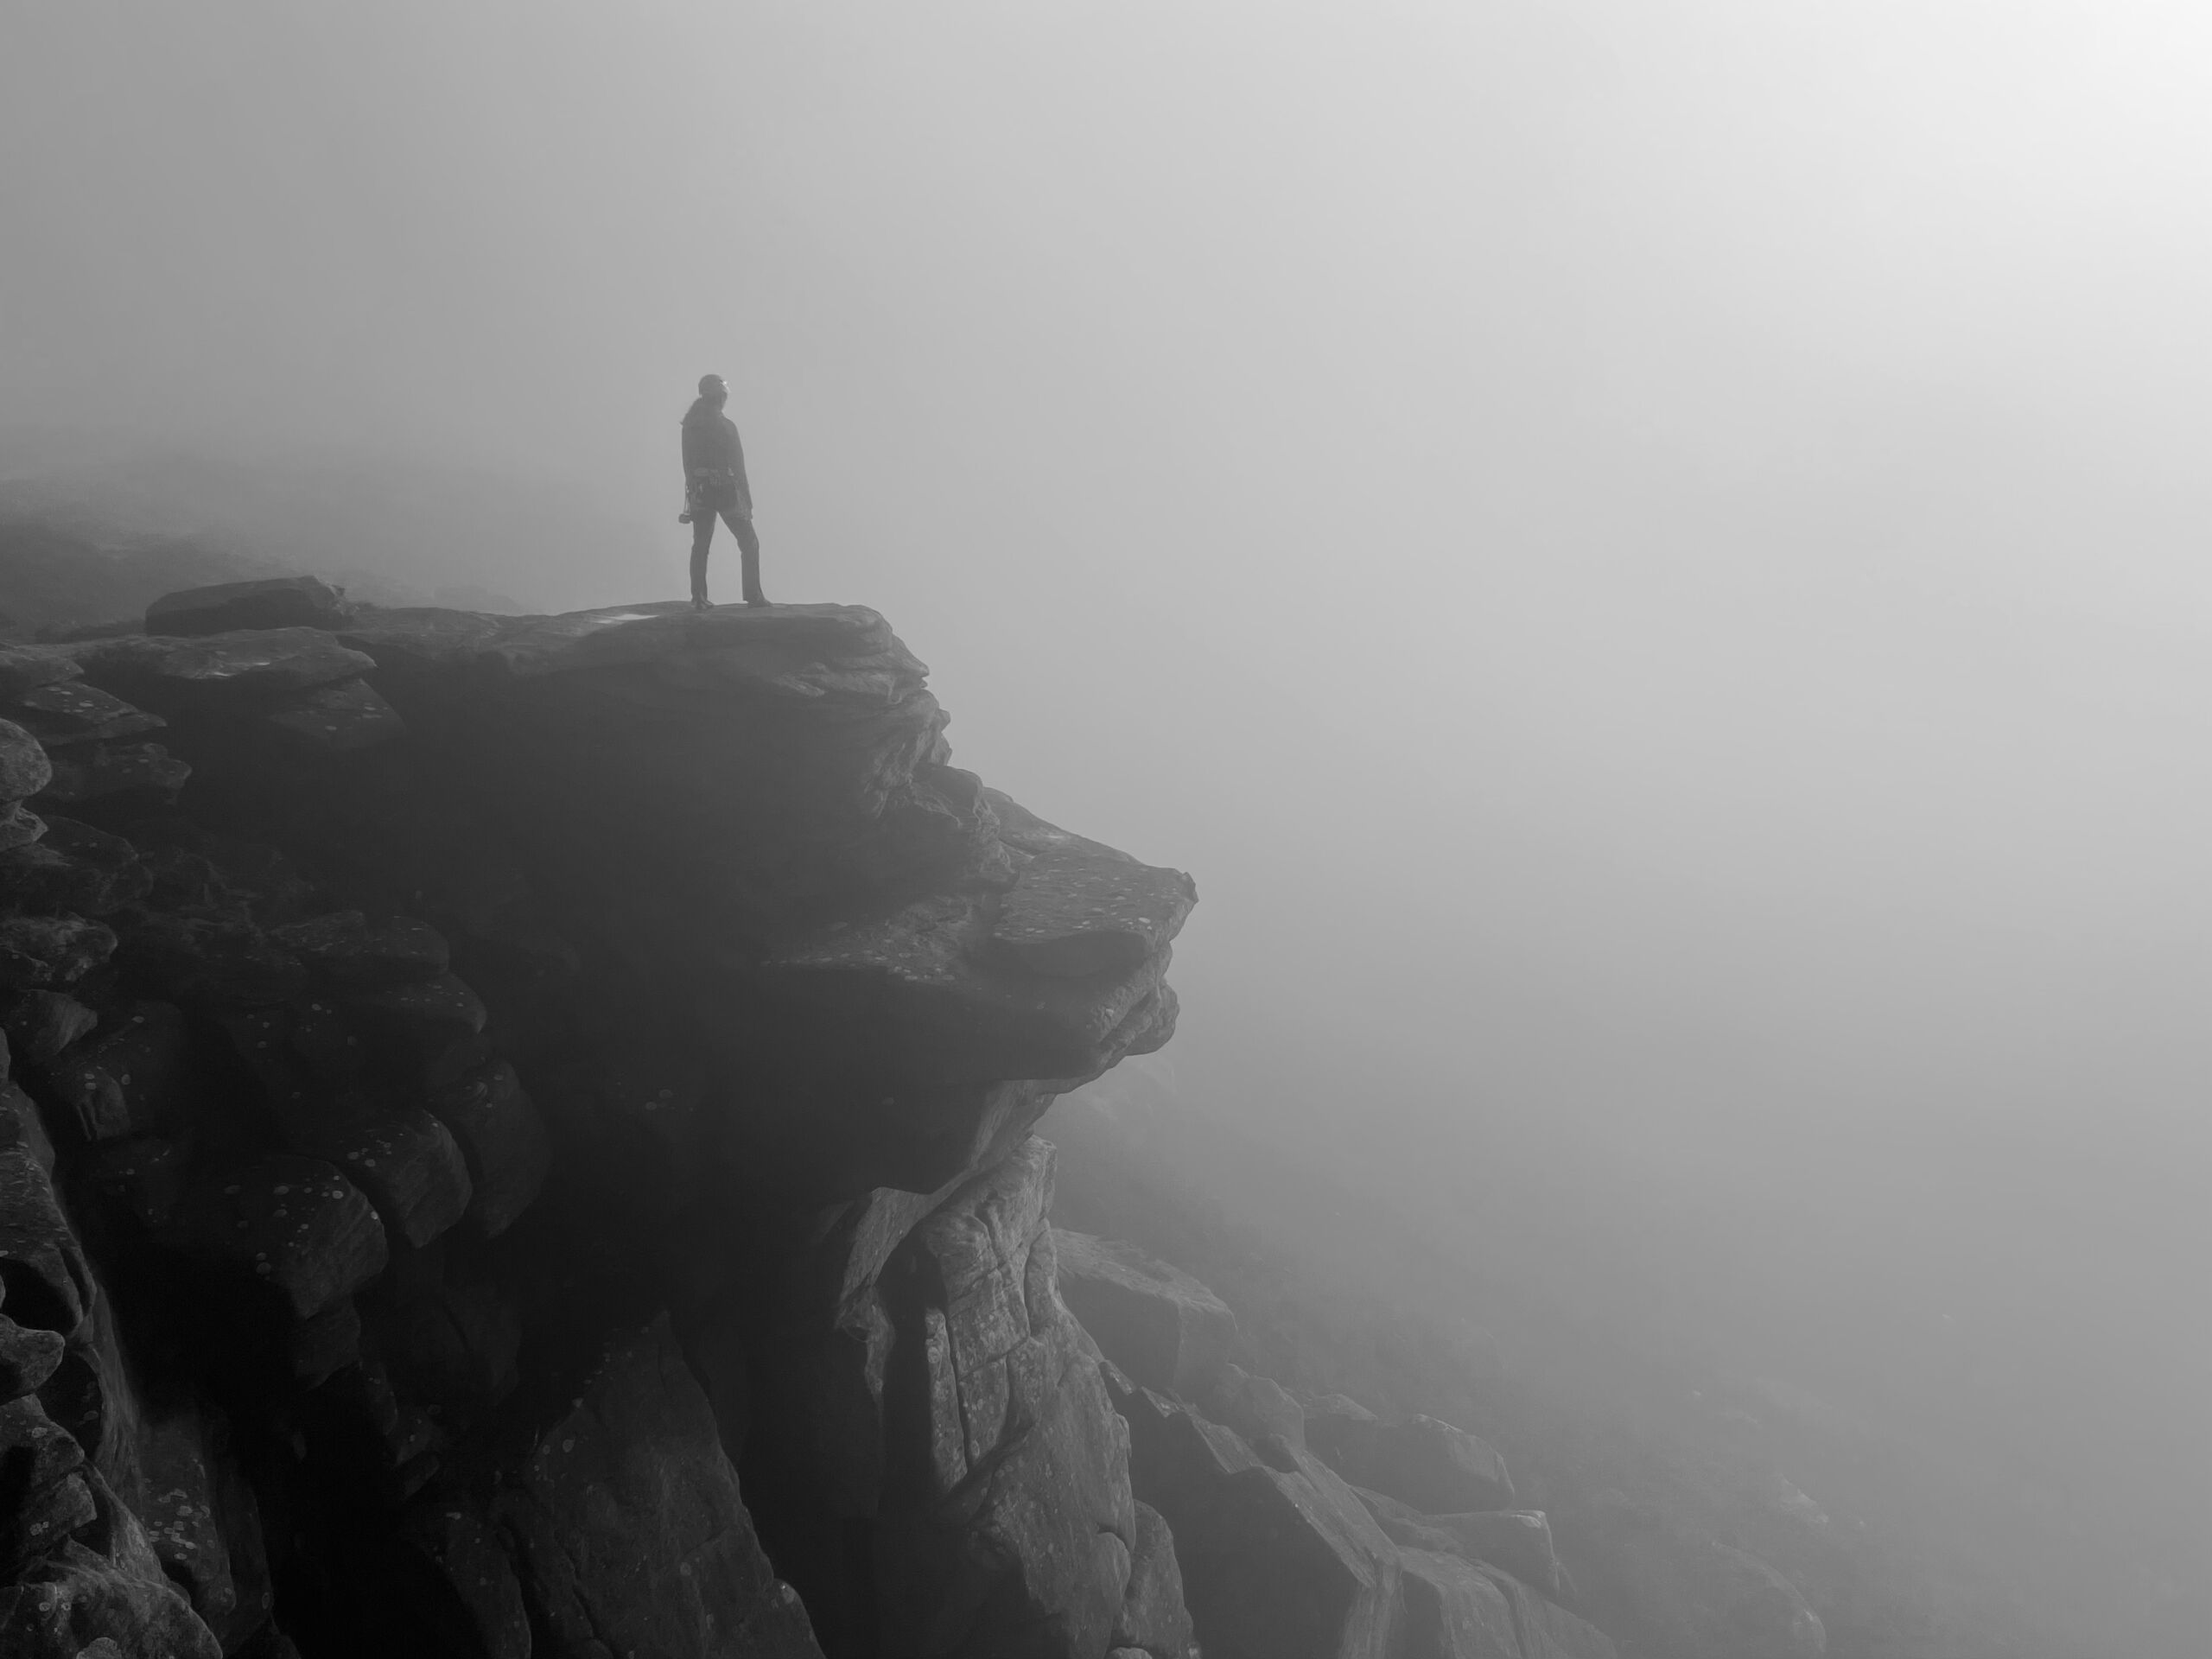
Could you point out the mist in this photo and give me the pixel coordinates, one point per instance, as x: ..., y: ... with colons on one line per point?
x: 1650, y: 557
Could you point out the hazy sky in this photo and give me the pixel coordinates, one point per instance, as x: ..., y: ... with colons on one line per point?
x: 1650, y: 556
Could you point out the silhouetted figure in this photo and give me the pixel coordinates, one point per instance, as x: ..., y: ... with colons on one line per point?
x: 714, y: 483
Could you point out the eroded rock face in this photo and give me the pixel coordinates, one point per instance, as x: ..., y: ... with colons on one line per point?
x: 632, y: 1537
x: 1007, y: 1524
x: 425, y: 1017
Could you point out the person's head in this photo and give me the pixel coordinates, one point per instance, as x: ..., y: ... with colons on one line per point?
x: 713, y: 389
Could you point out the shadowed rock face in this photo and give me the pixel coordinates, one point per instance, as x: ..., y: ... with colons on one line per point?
x: 491, y: 1080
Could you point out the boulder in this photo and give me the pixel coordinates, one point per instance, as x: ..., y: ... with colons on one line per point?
x: 229, y: 671
x: 1153, y: 1619
x: 26, y: 1359
x: 48, y: 952
x: 80, y: 1568
x: 276, y: 602
x: 24, y: 768
x: 294, y: 1223
x: 133, y: 1078
x: 1007, y: 1521
x: 1163, y: 1327
x: 49, y: 1285
x: 629, y: 1533
x: 345, y: 949
x: 113, y: 772
x: 338, y: 719
x: 25, y: 668
x: 1422, y: 1461
x: 39, y: 1025
x: 76, y: 713
x: 408, y: 1164
x: 202, y: 1521
x: 213, y: 964
x: 19, y: 826
x: 75, y: 868
x: 503, y: 1138
x: 1279, y: 1560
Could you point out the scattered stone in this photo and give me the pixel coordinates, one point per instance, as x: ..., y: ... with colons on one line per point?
x: 220, y: 672
x: 218, y: 964
x: 24, y: 768
x: 408, y: 1164
x: 339, y: 719
x: 20, y: 826
x: 503, y: 1139
x: 111, y: 771
x: 26, y: 1359
x: 76, y: 713
x: 320, y: 1347
x: 277, y: 602
x: 143, y: 1177
x: 203, y: 1523
x: 40, y: 1024
x: 48, y: 1284
x: 1157, y: 1323
x: 38, y: 952
x: 134, y: 1078
x: 347, y: 949
x: 75, y: 868
x: 293, y: 1223
x: 25, y: 668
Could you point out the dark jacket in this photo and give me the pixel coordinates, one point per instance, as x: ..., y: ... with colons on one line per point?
x: 714, y: 460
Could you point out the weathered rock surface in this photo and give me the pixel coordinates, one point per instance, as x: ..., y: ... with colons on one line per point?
x: 1160, y: 1326
x: 443, y: 993
x: 631, y: 1535
x: 1007, y: 1521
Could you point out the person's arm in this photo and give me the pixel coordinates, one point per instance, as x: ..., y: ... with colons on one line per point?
x: 737, y: 465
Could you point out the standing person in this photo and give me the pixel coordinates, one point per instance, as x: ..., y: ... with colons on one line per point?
x: 714, y: 483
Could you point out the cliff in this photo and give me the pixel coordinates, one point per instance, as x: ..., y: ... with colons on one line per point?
x: 519, y: 1140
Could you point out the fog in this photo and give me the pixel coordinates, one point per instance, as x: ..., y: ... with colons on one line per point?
x: 1650, y: 555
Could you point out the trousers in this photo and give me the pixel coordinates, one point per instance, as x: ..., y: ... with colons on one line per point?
x: 748, y: 545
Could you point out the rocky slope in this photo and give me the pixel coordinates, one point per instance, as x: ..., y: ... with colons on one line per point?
x: 519, y: 1140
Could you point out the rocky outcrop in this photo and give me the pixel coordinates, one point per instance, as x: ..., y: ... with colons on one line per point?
x: 527, y: 1147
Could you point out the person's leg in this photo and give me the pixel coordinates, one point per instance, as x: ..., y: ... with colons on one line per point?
x: 702, y: 532
x: 748, y: 545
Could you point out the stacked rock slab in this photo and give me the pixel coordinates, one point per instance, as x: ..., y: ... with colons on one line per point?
x: 503, y: 1077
